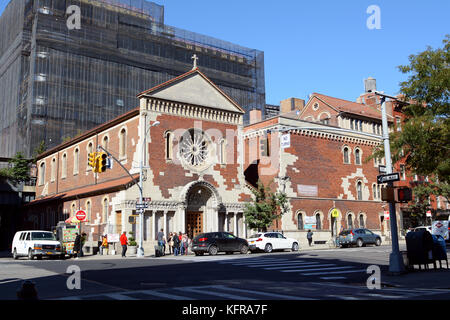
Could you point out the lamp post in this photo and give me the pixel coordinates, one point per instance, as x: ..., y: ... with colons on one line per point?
x: 140, y: 251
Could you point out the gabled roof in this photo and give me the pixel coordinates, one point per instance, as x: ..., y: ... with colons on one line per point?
x: 349, y: 106
x: 195, y: 88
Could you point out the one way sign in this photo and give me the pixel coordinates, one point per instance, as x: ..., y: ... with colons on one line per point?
x: 388, y: 177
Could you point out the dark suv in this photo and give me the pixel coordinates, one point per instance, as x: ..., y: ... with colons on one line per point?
x: 360, y: 237
x: 214, y: 242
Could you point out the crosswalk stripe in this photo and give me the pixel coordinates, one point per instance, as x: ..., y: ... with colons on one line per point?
x: 118, y: 296
x: 332, y: 272
x: 254, y: 261
x: 273, y: 295
x: 264, y: 263
x: 219, y: 294
x: 317, y: 269
x: 304, y: 265
x: 164, y: 295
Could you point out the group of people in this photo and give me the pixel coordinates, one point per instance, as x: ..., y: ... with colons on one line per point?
x: 78, y: 244
x: 177, y: 243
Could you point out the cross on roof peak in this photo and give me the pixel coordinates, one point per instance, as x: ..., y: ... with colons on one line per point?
x: 195, y: 58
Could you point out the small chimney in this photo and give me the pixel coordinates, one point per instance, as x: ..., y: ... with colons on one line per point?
x: 291, y: 104
x: 370, y: 85
x: 255, y: 116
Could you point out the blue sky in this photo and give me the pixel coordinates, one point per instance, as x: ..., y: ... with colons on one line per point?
x: 319, y: 46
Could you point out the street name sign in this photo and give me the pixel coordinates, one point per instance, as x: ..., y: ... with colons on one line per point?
x: 383, y: 178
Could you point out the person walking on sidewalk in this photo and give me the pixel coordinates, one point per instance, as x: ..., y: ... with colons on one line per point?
x: 176, y: 244
x: 123, y: 242
x: 170, y: 242
x: 77, y: 245
x: 161, y: 242
x: 309, y: 236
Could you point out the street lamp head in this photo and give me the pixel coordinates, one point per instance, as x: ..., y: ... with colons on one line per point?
x: 156, y: 123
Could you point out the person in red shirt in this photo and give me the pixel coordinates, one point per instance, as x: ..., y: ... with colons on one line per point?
x: 123, y: 242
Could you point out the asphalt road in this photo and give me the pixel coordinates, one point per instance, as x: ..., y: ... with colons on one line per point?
x: 334, y: 274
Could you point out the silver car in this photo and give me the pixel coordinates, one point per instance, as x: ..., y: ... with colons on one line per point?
x: 359, y: 237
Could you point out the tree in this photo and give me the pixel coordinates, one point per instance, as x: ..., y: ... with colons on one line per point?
x: 267, y: 206
x: 18, y: 170
x: 425, y: 133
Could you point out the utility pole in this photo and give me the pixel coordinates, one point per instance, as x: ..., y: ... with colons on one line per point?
x: 396, y: 265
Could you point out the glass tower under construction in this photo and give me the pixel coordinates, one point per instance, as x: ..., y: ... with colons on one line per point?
x: 56, y: 82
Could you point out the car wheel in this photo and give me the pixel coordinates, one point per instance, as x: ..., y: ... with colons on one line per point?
x: 30, y: 254
x: 295, y: 246
x: 244, y: 249
x: 15, y: 256
x: 359, y: 243
x: 378, y: 242
x: 268, y: 248
x: 212, y: 250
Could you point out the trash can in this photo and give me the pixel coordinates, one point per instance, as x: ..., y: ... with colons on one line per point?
x: 419, y: 246
x: 439, y: 249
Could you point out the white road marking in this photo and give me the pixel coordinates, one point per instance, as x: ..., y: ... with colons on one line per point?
x: 164, y: 295
x: 317, y: 269
x: 274, y: 295
x: 333, y: 278
x: 118, y: 296
x: 202, y: 291
x: 306, y: 265
x: 335, y: 272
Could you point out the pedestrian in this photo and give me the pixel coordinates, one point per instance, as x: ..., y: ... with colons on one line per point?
x: 185, y: 243
x: 176, y: 244
x: 161, y: 242
x: 105, y: 244
x: 123, y: 241
x: 180, y: 243
x: 77, y: 245
x: 309, y: 236
x: 83, y: 241
x: 170, y: 242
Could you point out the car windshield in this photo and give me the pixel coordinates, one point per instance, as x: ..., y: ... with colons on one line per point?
x: 255, y: 235
x: 42, y: 236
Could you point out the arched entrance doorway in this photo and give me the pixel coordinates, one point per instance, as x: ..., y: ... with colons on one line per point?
x: 201, y: 209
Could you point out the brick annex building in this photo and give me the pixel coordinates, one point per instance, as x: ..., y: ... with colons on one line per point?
x: 201, y: 163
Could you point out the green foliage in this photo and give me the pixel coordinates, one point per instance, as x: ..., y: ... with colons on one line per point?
x: 131, y: 241
x: 425, y: 133
x: 266, y: 207
x: 18, y: 170
x: 39, y: 149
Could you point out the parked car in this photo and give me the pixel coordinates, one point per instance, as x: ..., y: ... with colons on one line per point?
x: 428, y: 228
x: 35, y: 243
x: 214, y: 242
x: 269, y: 241
x: 359, y: 237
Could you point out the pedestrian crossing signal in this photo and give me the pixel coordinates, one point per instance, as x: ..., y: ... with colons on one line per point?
x: 101, y: 162
x: 404, y: 195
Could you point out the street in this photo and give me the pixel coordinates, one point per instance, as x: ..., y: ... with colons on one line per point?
x: 325, y: 274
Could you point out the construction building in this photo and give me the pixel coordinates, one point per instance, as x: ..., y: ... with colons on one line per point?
x: 57, y: 82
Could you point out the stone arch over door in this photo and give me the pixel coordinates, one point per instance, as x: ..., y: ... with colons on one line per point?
x: 202, y: 202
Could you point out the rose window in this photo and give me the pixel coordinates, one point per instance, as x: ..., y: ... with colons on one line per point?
x: 194, y: 147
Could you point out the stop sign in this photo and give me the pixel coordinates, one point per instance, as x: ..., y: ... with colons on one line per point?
x: 81, y: 215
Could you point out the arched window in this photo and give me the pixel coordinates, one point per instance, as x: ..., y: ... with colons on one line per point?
x: 374, y: 191
x: 64, y: 166
x: 105, y: 210
x: 169, y: 145
x: 318, y: 222
x: 350, y: 221
x: 76, y: 161
x: 359, y: 190
x: 42, y: 173
x: 53, y: 170
x: 105, y: 142
x: 122, y: 142
x: 346, y: 155
x: 357, y: 156
x: 222, y: 152
x: 361, y: 221
x: 300, y: 221
x: 89, y: 211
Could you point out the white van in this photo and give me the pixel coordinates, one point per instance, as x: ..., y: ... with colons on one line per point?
x: 35, y: 243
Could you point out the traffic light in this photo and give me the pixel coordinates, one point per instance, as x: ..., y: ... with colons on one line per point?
x: 101, y: 162
x: 92, y: 160
x: 404, y: 194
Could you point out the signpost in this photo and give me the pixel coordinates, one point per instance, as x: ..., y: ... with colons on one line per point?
x: 384, y: 178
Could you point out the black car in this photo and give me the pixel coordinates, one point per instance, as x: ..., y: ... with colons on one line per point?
x: 214, y: 242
